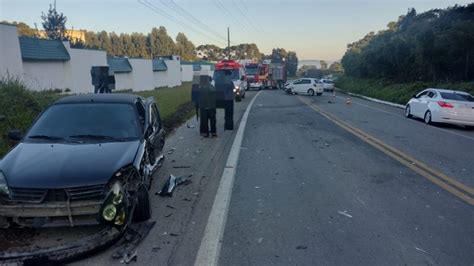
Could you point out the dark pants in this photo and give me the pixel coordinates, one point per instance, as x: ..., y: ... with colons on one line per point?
x: 207, y: 116
x: 229, y: 115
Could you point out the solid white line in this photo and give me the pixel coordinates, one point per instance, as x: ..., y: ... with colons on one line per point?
x: 208, y: 253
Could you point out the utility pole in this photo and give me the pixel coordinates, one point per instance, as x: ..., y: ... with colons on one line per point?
x: 228, y: 43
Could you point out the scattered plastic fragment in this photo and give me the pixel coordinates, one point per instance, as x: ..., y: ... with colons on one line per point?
x: 127, y: 258
x: 260, y: 240
x: 135, y: 233
x: 345, y: 213
x: 171, y: 151
x: 301, y: 247
x: 291, y: 157
x: 172, y: 183
x: 169, y: 206
x: 155, y: 249
x: 168, y: 215
x: 189, y: 126
x: 181, y: 166
x: 424, y: 251
x: 173, y: 234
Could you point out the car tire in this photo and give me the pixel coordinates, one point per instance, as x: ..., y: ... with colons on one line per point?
x: 319, y: 94
x: 238, y: 98
x: 408, y: 112
x: 142, y: 210
x: 427, y: 118
x: 311, y: 92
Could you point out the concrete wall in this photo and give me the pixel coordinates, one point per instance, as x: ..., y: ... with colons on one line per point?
x: 186, y: 73
x: 45, y: 75
x: 10, y: 55
x: 142, y: 71
x: 123, y: 81
x: 173, y: 72
x: 79, y: 67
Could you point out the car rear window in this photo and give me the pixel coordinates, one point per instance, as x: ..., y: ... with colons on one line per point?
x: 457, y: 96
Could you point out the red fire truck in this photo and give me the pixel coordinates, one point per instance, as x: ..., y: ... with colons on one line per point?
x: 257, y: 75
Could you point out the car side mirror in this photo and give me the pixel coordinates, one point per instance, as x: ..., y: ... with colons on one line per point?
x: 15, y: 135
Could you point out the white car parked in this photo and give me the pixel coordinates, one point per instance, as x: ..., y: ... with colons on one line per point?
x: 328, y: 84
x: 442, y: 106
x: 306, y: 86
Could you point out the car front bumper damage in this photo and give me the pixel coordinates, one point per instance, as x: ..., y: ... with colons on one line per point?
x: 49, y: 214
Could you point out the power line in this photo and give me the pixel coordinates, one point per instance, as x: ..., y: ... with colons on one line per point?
x: 155, y: 9
x: 222, y: 7
x: 245, y: 16
x: 188, y: 16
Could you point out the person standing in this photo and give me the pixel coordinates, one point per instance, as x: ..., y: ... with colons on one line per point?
x: 207, y: 107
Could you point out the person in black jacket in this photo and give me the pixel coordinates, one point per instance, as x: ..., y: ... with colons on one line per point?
x: 207, y: 106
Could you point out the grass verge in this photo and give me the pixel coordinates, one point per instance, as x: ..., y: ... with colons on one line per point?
x: 19, y: 106
x: 395, y: 92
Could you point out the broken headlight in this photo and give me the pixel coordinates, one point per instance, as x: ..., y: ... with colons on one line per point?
x: 114, y: 208
x: 4, y: 191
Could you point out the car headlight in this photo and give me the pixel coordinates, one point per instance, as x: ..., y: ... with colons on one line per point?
x: 3, y: 185
x: 114, y: 208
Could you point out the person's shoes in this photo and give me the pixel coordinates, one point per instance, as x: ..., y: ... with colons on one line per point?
x: 214, y: 135
x: 205, y: 135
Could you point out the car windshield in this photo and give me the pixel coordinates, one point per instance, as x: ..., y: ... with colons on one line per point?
x: 232, y: 73
x: 457, y: 96
x: 96, y: 121
x: 251, y: 70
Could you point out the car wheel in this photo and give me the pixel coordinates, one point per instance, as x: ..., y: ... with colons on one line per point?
x: 311, y: 92
x: 142, y: 210
x: 408, y: 112
x: 428, y: 117
x: 238, y: 98
x: 319, y: 94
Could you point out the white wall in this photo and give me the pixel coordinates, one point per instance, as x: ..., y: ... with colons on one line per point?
x: 79, y: 68
x: 123, y: 81
x: 186, y: 73
x: 173, y: 72
x: 160, y: 79
x: 45, y: 75
x: 142, y: 70
x: 10, y: 55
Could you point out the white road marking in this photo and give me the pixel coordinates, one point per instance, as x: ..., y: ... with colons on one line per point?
x: 209, y: 249
x: 402, y: 116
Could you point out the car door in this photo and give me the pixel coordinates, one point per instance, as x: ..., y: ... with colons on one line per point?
x: 155, y: 134
x: 416, y: 106
x: 295, y: 86
x: 423, y: 103
x: 305, y: 85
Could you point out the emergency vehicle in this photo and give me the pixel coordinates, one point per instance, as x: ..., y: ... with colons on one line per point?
x: 236, y: 72
x: 257, y: 75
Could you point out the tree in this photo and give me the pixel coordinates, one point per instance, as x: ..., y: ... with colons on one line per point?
x: 25, y: 30
x: 166, y: 45
x: 184, y: 47
x: 336, y: 67
x: 323, y: 64
x: 278, y: 55
x: 54, y: 24
x: 292, y: 63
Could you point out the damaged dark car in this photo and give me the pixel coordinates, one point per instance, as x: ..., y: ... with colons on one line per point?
x: 86, y: 160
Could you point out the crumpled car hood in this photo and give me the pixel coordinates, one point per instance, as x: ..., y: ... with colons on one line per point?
x: 43, y: 165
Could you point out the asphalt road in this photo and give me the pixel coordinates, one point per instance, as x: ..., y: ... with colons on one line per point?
x: 308, y: 192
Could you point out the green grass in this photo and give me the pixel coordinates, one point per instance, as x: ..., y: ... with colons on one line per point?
x: 169, y: 99
x: 394, y: 92
x: 21, y: 106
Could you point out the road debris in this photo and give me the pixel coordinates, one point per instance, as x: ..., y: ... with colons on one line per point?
x: 127, y: 258
x: 345, y: 213
x: 169, y: 206
x: 424, y: 251
x: 168, y: 215
x: 291, y: 157
x: 172, y: 183
x: 155, y: 249
x: 126, y: 249
x: 189, y: 126
x: 173, y: 234
x: 260, y: 240
x: 181, y: 166
x: 171, y: 151
x: 301, y: 247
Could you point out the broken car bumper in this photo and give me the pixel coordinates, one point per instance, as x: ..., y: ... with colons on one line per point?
x: 50, y: 214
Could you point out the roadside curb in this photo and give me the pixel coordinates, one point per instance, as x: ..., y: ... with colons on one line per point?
x: 371, y: 99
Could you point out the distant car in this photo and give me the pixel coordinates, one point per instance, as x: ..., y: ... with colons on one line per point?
x: 328, y: 84
x: 87, y: 159
x: 306, y: 86
x: 442, y: 106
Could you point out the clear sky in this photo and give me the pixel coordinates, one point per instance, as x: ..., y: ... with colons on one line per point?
x: 315, y: 29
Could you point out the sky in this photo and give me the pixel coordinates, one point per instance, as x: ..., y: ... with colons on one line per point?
x: 315, y: 29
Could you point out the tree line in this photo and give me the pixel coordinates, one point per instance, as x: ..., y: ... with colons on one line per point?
x: 437, y: 45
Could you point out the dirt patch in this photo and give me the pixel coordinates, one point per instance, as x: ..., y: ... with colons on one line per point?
x: 16, y: 237
x: 183, y: 113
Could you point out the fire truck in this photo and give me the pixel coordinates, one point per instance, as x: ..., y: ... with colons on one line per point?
x: 237, y: 74
x: 257, y: 75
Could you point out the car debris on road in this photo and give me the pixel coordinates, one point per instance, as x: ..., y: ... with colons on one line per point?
x: 172, y: 183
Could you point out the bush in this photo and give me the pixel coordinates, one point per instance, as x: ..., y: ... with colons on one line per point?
x: 20, y: 107
x: 394, y: 92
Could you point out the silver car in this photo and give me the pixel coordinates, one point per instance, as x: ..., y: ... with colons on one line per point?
x: 442, y: 106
